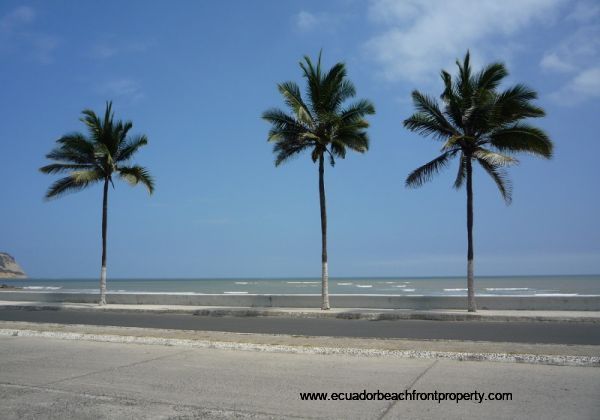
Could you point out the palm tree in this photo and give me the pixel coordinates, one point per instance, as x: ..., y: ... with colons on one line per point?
x: 106, y: 151
x: 322, y: 125
x: 477, y: 122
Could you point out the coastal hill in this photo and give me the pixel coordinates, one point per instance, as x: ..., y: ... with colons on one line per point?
x: 9, y: 269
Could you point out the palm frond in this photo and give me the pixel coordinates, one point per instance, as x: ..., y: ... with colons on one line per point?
x: 424, y: 173
x: 515, y: 104
x: 522, y: 138
x: 287, y: 150
x: 73, y: 148
x: 137, y: 174
x: 462, y: 171
x: 76, y: 181
x: 501, y: 179
x: 494, y: 159
x: 491, y: 76
x: 293, y: 98
x: 428, y: 116
x: 129, y: 146
x: 356, y: 111
x: 56, y: 168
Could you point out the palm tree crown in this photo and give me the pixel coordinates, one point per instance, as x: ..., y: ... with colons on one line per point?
x: 478, y: 122
x: 321, y: 123
x: 106, y: 151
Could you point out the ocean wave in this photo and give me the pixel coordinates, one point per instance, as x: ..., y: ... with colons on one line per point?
x: 409, y: 290
x: 344, y: 284
x: 456, y: 290
x: 364, y: 285
x: 235, y: 293
x: 556, y: 294
x: 401, y: 285
x: 241, y: 282
x: 497, y: 289
x: 303, y: 282
x: 42, y: 288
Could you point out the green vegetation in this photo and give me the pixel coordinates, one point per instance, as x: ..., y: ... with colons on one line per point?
x: 321, y: 124
x: 105, y: 152
x: 477, y: 122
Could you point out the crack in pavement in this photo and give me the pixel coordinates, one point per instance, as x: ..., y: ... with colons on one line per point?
x: 410, y: 386
x: 116, y: 367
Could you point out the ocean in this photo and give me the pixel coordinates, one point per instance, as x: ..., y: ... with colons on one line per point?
x: 406, y: 286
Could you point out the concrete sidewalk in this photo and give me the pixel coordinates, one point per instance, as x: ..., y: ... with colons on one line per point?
x: 59, y: 379
x: 339, y: 313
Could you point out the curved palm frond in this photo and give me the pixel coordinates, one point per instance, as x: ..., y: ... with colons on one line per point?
x: 57, y: 168
x: 426, y: 172
x: 522, y: 138
x: 356, y: 111
x: 462, y: 171
x: 293, y: 98
x: 73, y: 148
x: 491, y: 76
x: 428, y: 119
x: 135, y: 175
x: 129, y: 146
x: 514, y: 104
x: 500, y: 177
x: 76, y: 181
x: 494, y: 159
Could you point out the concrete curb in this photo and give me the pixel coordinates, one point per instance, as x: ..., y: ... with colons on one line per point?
x: 559, y: 360
x: 349, y: 314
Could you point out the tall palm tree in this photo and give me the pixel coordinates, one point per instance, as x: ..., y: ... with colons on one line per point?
x: 97, y: 157
x: 321, y: 124
x: 477, y: 123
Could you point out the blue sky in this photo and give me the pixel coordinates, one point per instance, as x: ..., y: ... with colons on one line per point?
x: 195, y: 77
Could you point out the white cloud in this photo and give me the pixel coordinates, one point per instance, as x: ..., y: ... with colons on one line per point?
x: 20, y: 16
x: 16, y: 36
x: 421, y: 37
x: 554, y: 62
x: 121, y: 88
x: 585, y: 85
x: 578, y: 56
x: 111, y: 47
x: 306, y: 21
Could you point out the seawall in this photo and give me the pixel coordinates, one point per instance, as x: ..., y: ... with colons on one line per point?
x: 548, y: 303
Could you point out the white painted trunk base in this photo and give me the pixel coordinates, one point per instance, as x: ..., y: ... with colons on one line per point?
x: 471, y: 305
x: 325, y: 286
x: 103, y: 286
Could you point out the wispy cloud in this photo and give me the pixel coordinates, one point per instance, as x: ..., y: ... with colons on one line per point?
x: 577, y: 57
x: 16, y: 36
x: 112, y: 47
x: 418, y: 38
x: 14, y: 19
x: 306, y: 21
x: 121, y: 88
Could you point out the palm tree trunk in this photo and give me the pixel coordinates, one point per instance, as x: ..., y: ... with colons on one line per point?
x: 324, y: 270
x: 472, y: 307
x: 103, y: 269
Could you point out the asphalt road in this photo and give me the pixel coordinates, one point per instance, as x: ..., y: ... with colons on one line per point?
x: 517, y: 332
x: 60, y: 379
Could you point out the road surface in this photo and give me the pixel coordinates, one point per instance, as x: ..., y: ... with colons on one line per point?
x: 517, y: 332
